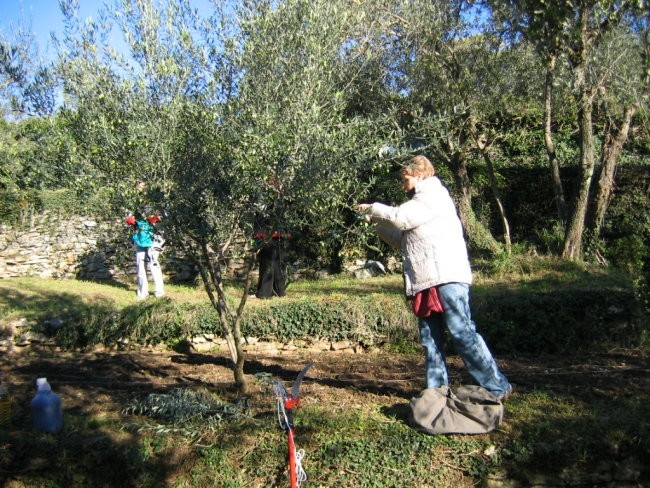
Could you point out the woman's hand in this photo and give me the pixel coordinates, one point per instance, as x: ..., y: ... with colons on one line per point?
x: 363, y: 209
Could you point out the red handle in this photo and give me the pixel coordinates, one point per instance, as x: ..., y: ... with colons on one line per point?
x: 292, y: 460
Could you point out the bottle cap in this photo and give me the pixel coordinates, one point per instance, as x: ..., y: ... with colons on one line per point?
x: 43, y: 385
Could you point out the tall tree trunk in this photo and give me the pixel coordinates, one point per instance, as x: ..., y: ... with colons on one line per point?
x: 574, y: 233
x: 579, y: 57
x: 463, y: 186
x: 477, y: 234
x: 554, y: 164
x: 613, y: 142
x: 484, y: 148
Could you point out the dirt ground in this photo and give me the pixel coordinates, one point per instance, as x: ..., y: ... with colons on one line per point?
x: 107, y: 380
x: 101, y: 384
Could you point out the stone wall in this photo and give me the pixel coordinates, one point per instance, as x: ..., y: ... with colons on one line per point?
x: 49, y: 245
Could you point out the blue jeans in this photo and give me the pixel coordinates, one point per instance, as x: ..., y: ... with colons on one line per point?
x: 468, y: 343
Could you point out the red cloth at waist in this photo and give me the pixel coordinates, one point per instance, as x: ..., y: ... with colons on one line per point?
x: 427, y: 302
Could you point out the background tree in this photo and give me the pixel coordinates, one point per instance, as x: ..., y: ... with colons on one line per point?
x: 440, y: 62
x: 28, y: 84
x: 576, y: 30
x: 542, y: 26
x: 32, y: 149
x: 623, y: 65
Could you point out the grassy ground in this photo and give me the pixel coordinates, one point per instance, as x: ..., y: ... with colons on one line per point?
x: 132, y: 417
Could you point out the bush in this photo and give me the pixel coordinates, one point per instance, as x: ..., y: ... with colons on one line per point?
x: 367, y: 320
x: 149, y: 322
x: 15, y: 206
x: 562, y: 321
x: 18, y: 205
x: 548, y: 317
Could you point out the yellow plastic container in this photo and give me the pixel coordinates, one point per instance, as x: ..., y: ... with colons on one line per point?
x: 5, y: 405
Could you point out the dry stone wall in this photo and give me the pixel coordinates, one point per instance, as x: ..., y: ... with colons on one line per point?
x: 49, y: 245
x: 53, y: 246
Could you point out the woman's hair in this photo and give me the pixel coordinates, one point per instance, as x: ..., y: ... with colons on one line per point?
x: 418, y: 166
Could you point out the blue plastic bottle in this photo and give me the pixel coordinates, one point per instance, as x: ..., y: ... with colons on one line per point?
x: 47, y: 413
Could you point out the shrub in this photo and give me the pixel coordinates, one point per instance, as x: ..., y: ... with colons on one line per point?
x: 368, y: 320
x: 549, y: 316
x: 561, y: 321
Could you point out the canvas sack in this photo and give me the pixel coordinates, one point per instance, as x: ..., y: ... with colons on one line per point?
x: 470, y: 409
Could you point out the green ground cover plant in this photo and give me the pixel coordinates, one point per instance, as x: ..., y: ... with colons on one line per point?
x: 529, y: 305
x: 148, y: 415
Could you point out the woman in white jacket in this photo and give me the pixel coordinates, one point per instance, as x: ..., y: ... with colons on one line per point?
x: 437, y: 274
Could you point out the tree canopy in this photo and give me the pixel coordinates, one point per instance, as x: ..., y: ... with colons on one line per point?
x: 283, y: 114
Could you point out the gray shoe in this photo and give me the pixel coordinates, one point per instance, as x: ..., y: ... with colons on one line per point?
x: 505, y: 396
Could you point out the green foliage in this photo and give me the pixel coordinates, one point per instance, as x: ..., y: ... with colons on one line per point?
x: 558, y: 321
x: 150, y: 322
x: 387, y: 446
x: 366, y: 320
x: 16, y: 206
x: 34, y: 154
x: 553, y: 314
x: 539, y: 440
x: 185, y: 408
x: 626, y: 235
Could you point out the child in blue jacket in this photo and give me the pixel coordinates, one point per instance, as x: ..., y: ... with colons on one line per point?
x: 146, y: 252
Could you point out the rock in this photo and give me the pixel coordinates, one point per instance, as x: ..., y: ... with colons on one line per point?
x: 204, y: 347
x: 337, y: 346
x: 370, y: 269
x: 52, y: 325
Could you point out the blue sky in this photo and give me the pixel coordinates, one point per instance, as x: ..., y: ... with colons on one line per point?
x: 44, y: 16
x: 40, y: 17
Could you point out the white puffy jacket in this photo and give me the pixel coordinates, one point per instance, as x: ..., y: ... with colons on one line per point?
x: 429, y: 232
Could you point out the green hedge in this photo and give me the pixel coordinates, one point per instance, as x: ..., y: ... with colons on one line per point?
x: 16, y: 206
x: 367, y: 320
x: 512, y: 321
x: 559, y: 321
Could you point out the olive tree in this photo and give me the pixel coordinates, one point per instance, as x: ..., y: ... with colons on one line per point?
x: 32, y: 150
x: 235, y: 121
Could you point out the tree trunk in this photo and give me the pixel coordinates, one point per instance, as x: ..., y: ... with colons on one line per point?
x: 579, y: 57
x: 477, y: 234
x: 554, y: 164
x: 238, y: 370
x: 613, y: 142
x: 483, y: 147
x: 463, y: 186
x: 213, y: 281
x: 574, y: 233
